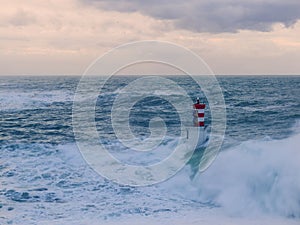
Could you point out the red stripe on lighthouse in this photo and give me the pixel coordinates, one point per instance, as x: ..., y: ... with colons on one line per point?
x: 199, y: 114
x: 199, y: 106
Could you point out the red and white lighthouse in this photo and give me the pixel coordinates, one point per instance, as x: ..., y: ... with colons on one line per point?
x: 199, y: 114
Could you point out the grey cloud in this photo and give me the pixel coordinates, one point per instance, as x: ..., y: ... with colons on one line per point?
x: 22, y: 18
x: 212, y: 16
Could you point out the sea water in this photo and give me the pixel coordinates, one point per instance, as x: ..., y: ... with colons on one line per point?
x: 254, y: 179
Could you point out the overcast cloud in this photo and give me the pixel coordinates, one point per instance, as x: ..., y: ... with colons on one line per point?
x: 63, y: 37
x: 214, y: 16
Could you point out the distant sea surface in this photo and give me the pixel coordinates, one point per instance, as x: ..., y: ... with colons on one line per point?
x: 254, y: 180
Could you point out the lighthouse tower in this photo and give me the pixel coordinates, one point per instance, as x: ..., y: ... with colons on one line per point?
x: 199, y: 109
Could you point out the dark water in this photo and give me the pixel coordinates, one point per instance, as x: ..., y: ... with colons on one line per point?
x: 39, y: 109
x: 40, y: 166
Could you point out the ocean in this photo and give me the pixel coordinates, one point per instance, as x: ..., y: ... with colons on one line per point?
x: 255, y: 178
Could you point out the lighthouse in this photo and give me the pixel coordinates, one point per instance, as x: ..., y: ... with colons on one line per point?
x: 199, y: 114
x: 199, y: 111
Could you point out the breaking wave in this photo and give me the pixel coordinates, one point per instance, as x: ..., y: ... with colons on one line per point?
x: 256, y: 177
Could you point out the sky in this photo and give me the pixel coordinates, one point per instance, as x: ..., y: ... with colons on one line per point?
x: 235, y: 37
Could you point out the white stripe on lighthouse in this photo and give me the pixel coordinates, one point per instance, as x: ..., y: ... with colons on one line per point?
x: 200, y: 119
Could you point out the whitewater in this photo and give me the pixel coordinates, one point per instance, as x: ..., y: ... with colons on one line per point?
x: 254, y: 180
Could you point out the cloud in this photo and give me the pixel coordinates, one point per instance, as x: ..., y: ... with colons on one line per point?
x: 213, y: 16
x: 47, y: 37
x: 22, y: 18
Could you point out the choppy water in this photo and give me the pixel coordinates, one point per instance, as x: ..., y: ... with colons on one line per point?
x: 44, y: 179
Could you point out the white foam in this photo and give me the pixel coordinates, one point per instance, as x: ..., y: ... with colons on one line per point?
x: 256, y: 182
x: 258, y: 177
x: 15, y: 100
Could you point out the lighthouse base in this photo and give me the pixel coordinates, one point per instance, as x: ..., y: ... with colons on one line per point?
x: 202, y: 136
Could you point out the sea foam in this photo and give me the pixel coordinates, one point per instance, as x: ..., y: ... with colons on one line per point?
x: 256, y: 177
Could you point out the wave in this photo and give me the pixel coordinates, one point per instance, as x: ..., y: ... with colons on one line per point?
x: 256, y: 177
x: 253, y: 178
x: 21, y: 100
